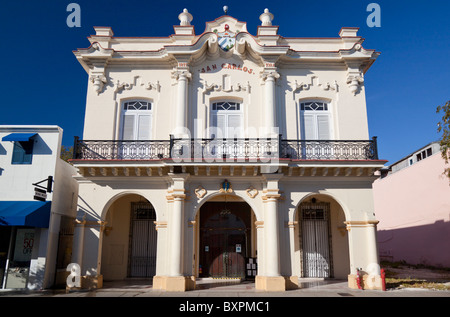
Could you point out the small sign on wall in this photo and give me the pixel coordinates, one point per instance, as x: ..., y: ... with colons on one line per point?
x: 40, y: 194
x: 251, y: 267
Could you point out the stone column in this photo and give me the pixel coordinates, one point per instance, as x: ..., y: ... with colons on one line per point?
x: 373, y: 279
x: 175, y: 280
x: 182, y: 76
x: 270, y: 77
x: 272, y: 234
x: 176, y: 233
x: 364, y: 254
x: 88, y: 239
x: 272, y: 279
x: 78, y: 241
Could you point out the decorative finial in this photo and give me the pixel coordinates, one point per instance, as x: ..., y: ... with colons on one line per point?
x: 225, y: 9
x: 266, y: 18
x: 185, y: 17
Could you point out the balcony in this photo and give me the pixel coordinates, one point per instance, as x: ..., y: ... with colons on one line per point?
x: 226, y: 150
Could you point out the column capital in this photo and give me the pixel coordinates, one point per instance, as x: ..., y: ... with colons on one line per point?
x: 271, y: 197
x: 360, y: 224
x: 176, y: 195
x: 181, y: 74
x: 179, y: 176
x: 271, y: 191
x: 177, y: 190
x: 270, y: 74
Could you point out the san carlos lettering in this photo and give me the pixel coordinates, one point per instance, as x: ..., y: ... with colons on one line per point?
x: 215, y: 67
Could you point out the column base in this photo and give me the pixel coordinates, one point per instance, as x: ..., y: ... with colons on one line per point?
x: 88, y: 282
x: 174, y: 283
x: 372, y: 282
x: 291, y: 282
x: 270, y: 283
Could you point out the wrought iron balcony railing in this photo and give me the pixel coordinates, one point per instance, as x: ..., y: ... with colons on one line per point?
x: 213, y: 150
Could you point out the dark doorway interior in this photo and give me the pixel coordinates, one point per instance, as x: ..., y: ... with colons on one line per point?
x: 225, y: 239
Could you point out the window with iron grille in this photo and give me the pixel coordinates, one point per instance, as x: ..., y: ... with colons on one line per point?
x: 137, y: 105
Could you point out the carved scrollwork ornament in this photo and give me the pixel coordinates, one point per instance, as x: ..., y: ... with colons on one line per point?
x: 251, y: 192
x: 200, y: 192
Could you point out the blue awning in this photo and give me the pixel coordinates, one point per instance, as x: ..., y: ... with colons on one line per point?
x: 25, y: 213
x: 18, y: 137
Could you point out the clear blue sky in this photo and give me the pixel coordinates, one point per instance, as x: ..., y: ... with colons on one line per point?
x: 42, y: 83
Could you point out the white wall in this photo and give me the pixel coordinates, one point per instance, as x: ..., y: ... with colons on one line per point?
x: 16, y: 179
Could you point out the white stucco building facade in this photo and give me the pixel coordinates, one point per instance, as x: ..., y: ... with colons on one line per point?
x: 226, y: 154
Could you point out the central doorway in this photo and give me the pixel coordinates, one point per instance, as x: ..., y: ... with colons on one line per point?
x: 225, y: 239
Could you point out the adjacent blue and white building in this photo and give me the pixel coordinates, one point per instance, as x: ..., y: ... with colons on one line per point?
x: 38, y: 199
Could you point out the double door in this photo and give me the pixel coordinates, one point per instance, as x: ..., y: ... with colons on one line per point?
x: 224, y: 239
x: 224, y: 251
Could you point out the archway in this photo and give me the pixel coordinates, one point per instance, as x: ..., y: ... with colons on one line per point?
x: 322, y: 247
x: 226, y: 239
x: 129, y: 239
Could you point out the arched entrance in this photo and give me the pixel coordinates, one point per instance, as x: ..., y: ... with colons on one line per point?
x: 130, y: 239
x: 323, y: 240
x: 316, y: 239
x: 227, y: 246
x: 142, y: 253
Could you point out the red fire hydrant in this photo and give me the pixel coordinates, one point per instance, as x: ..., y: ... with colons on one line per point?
x: 383, y: 279
x: 358, y: 279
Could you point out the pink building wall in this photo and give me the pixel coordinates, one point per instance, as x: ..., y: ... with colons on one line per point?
x: 413, y: 207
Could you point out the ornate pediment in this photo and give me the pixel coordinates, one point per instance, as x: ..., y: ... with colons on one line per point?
x: 218, y: 25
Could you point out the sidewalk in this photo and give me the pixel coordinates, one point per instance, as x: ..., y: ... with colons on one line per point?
x: 229, y: 289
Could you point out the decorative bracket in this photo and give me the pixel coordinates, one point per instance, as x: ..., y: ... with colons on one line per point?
x: 99, y: 80
x: 354, y: 82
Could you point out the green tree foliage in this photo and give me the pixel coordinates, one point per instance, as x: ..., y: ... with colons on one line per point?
x: 444, y: 128
x: 66, y: 153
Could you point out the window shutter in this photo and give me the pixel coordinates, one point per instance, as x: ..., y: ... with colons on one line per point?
x: 234, y: 126
x: 128, y: 127
x: 144, y: 128
x: 218, y: 126
x: 323, y: 127
x: 309, y: 127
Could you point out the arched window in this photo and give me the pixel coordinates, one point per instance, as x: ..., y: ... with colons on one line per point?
x: 226, y: 120
x: 316, y: 120
x: 136, y: 120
